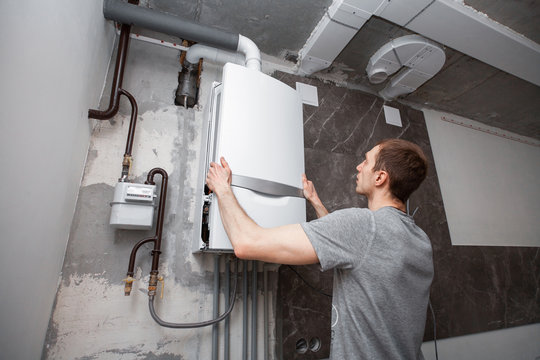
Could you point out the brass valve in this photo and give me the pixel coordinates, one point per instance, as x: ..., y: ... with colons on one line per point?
x: 129, y: 281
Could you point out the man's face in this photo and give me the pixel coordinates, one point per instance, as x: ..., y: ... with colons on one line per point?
x: 365, y: 180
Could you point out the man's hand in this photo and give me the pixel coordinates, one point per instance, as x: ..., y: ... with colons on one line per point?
x: 219, y: 177
x: 286, y: 244
x: 309, y: 189
x: 311, y: 195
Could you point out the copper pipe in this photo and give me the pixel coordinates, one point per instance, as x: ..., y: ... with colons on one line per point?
x: 118, y: 77
x: 156, y: 239
x: 161, y: 211
x: 133, y: 121
x: 133, y: 255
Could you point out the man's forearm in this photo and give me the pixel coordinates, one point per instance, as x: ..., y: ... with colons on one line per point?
x: 236, y: 222
x: 320, y: 209
x: 286, y: 244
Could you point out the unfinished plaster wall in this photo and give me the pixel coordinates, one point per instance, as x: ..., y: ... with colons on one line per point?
x: 92, y: 317
x: 54, y: 61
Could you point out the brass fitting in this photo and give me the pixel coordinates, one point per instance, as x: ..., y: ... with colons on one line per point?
x: 127, y: 161
x: 127, y: 289
x: 152, y: 284
x: 126, y: 167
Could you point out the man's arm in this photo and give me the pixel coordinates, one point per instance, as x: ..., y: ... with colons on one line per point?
x: 311, y: 195
x: 287, y: 244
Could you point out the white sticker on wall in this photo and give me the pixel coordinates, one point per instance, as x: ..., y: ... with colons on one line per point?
x: 392, y: 116
x: 308, y: 93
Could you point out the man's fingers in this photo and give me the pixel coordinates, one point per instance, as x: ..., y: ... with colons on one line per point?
x: 225, y: 164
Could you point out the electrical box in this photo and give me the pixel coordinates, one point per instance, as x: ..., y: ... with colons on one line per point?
x: 133, y: 206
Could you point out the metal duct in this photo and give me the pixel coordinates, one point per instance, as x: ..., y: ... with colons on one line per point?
x: 169, y: 24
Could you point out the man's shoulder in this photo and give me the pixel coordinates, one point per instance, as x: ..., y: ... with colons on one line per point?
x: 356, y: 211
x: 353, y: 211
x: 353, y: 214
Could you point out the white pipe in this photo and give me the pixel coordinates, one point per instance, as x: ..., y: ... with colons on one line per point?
x: 251, y: 51
x: 211, y: 54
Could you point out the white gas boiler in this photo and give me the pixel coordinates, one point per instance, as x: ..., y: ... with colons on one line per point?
x: 255, y: 122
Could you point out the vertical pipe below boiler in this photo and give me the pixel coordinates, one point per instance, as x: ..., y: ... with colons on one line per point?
x: 254, y: 310
x: 227, y: 291
x: 245, y: 309
x: 265, y: 294
x: 215, y: 327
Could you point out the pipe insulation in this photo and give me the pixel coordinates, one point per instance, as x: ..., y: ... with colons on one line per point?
x: 169, y: 24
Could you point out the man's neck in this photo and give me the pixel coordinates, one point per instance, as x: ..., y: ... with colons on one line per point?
x: 377, y: 202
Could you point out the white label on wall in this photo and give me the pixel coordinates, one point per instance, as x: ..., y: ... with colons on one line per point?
x: 308, y: 93
x: 392, y: 116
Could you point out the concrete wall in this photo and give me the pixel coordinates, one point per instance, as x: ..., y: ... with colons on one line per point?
x: 489, y: 183
x: 519, y: 343
x: 92, y: 317
x: 54, y: 61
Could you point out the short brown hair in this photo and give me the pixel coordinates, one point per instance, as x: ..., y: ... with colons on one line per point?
x: 405, y: 164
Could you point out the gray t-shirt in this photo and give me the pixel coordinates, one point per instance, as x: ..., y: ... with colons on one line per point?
x: 383, y: 269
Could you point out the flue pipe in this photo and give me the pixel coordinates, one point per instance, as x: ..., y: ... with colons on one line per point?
x: 253, y: 56
x: 198, y: 51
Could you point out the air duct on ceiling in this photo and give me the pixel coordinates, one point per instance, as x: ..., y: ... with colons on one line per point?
x: 419, y: 59
x: 449, y: 22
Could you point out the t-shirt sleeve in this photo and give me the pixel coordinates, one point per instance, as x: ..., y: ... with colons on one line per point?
x: 341, y: 239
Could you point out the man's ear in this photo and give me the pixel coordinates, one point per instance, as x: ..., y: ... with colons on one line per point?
x: 381, y: 177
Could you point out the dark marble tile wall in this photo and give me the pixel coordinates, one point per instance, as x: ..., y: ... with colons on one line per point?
x: 475, y: 289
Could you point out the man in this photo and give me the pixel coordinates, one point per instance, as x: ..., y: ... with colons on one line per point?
x: 382, y: 261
